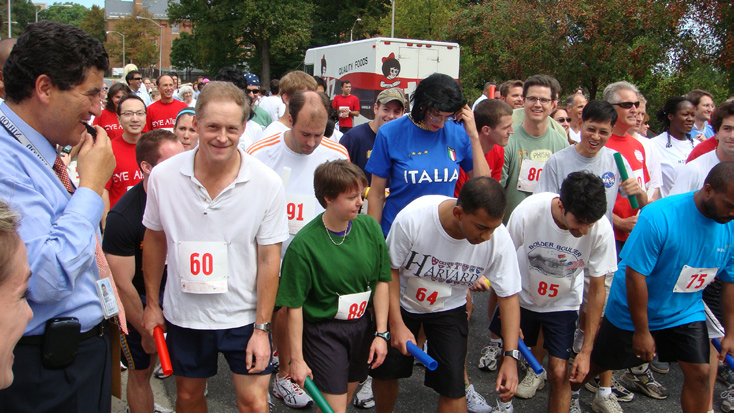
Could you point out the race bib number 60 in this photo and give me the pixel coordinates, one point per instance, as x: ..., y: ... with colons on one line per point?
x: 692, y: 279
x: 203, y: 267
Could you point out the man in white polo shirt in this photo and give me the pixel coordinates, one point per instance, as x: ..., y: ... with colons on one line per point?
x: 294, y: 155
x: 222, y: 272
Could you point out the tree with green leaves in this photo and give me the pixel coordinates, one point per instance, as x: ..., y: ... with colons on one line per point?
x: 69, y: 13
x: 141, y: 40
x: 582, y: 43
x: 420, y: 19
x: 94, y: 23
x: 22, y: 12
x: 184, y: 52
x: 262, y: 29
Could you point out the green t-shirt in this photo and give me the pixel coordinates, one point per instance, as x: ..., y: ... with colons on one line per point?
x: 262, y: 117
x: 315, y: 272
x: 523, y: 146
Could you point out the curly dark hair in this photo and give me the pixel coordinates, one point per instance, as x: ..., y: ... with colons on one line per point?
x: 439, y: 92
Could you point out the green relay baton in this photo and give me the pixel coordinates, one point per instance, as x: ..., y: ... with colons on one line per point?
x: 625, y: 176
x: 316, y: 395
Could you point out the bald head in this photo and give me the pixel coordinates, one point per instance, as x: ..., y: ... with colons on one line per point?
x: 308, y: 105
x: 6, y: 46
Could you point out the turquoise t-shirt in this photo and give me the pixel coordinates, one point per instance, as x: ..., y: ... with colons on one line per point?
x: 669, y: 234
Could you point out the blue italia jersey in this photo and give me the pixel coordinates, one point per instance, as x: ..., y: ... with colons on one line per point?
x: 418, y: 162
x: 674, y: 246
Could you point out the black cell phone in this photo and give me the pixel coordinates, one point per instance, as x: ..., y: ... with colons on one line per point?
x: 61, y: 342
x: 91, y: 131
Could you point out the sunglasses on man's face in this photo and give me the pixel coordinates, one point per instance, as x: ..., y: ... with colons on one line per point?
x: 627, y: 105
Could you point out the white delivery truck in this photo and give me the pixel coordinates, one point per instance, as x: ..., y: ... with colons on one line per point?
x: 372, y: 65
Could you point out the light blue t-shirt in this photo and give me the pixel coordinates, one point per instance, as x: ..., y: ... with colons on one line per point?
x: 669, y: 234
x: 708, y: 131
x: 418, y: 162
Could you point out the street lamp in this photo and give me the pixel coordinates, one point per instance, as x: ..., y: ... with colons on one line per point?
x: 123, y: 45
x: 160, y: 45
x: 359, y: 19
x: 392, y: 24
x: 38, y: 8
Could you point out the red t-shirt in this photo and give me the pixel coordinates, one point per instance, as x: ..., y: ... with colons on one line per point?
x: 495, y: 159
x: 108, y: 120
x: 634, y: 153
x: 126, y: 173
x: 352, y: 103
x: 703, y: 148
x: 163, y: 115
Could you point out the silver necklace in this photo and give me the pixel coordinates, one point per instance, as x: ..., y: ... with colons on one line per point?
x: 349, y: 228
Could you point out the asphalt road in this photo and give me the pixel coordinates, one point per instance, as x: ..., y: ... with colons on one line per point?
x: 414, y: 397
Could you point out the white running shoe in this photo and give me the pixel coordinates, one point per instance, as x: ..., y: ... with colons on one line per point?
x: 530, y: 384
x: 291, y: 393
x: 490, y: 356
x: 364, y: 399
x: 475, y: 403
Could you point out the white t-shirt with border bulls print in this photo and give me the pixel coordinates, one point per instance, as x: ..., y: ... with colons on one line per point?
x: 552, y: 260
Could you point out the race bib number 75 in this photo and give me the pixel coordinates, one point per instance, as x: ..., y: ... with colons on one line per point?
x: 692, y: 279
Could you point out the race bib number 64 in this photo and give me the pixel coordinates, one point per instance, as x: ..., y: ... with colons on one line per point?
x: 692, y: 279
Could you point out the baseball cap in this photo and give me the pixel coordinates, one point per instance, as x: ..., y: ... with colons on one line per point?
x: 252, y: 79
x: 388, y: 95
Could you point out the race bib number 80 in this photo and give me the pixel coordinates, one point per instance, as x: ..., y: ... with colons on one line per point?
x: 203, y: 267
x: 529, y: 175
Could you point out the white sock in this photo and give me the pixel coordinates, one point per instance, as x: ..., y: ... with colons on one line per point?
x: 504, y: 405
x: 605, y: 392
x: 498, y: 341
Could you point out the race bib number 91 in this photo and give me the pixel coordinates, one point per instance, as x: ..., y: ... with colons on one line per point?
x: 203, y: 267
x: 301, y: 209
x: 692, y: 279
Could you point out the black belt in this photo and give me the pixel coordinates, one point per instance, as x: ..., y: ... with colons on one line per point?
x: 96, y: 331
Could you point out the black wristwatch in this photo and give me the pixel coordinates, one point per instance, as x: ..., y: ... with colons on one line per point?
x: 512, y: 353
x: 264, y: 326
x: 385, y: 336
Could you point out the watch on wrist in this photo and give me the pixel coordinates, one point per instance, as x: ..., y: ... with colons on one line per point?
x: 385, y: 336
x: 263, y: 326
x: 512, y: 353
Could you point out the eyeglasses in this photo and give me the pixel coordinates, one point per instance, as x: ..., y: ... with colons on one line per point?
x: 254, y: 91
x: 560, y: 120
x: 105, y: 88
x: 627, y: 105
x: 129, y: 114
x: 439, y: 118
x: 137, y: 78
x: 534, y: 100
